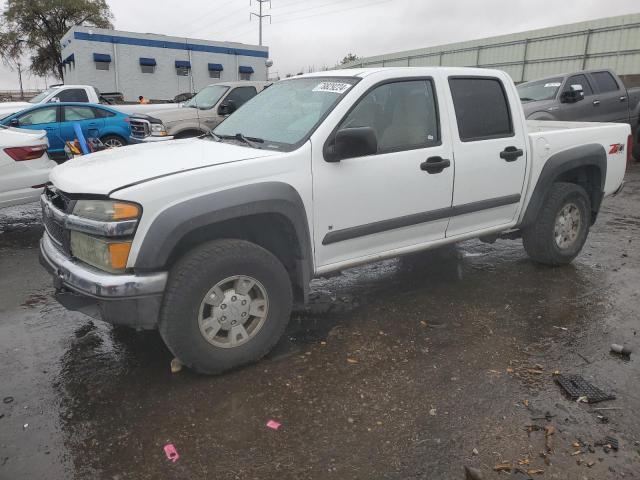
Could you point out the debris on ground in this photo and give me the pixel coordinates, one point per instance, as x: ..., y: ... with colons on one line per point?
x: 7, y: 400
x: 176, y: 365
x: 171, y: 452
x: 620, y: 349
x: 273, y: 425
x: 503, y: 467
x: 608, y: 443
x: 475, y: 451
x: 352, y: 360
x: 547, y: 417
x: 472, y: 474
x: 578, y: 389
x: 549, y: 430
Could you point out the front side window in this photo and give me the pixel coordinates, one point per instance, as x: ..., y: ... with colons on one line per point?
x: 605, y: 82
x: 539, y: 90
x: 72, y: 95
x: 240, y: 95
x: 77, y: 114
x: 579, y: 80
x: 482, y: 108
x: 403, y: 115
x: 207, y: 97
x: 40, y: 116
x: 286, y: 113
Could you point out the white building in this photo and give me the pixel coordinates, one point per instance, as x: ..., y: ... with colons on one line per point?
x: 155, y: 66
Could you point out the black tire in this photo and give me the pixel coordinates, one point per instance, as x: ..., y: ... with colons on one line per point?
x: 539, y: 238
x: 189, y: 281
x: 113, y: 138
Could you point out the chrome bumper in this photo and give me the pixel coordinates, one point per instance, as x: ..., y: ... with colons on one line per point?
x: 89, y: 281
x: 149, y: 139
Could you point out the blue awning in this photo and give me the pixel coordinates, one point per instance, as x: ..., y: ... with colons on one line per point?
x: 69, y: 59
x: 101, y: 57
x: 244, y: 69
x: 183, y: 64
x: 215, y: 67
x: 150, y: 62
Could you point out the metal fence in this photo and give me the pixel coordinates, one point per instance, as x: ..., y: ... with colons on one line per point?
x: 530, y: 55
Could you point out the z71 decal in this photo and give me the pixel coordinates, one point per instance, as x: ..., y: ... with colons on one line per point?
x: 616, y: 148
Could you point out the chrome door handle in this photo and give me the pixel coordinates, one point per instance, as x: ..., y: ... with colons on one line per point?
x: 596, y: 102
x: 623, y: 98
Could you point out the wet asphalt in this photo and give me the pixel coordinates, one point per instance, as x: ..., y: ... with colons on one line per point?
x: 402, y: 369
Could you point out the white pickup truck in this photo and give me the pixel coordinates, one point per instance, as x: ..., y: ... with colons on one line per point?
x: 77, y: 93
x: 211, y: 240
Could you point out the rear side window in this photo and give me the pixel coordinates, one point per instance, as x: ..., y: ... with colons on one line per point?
x: 73, y: 95
x: 605, y: 82
x: 482, y: 108
x: 77, y: 114
x: 100, y: 113
x: 241, y: 94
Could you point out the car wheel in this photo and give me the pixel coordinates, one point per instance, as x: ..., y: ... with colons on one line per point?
x: 560, y: 231
x: 226, y: 304
x: 113, y: 141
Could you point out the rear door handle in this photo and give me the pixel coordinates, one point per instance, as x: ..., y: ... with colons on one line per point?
x: 596, y: 102
x: 511, y: 154
x: 435, y: 165
x: 623, y: 98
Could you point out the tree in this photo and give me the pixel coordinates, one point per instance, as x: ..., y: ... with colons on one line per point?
x: 35, y: 27
x: 350, y: 57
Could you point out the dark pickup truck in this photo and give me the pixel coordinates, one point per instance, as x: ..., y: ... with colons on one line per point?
x: 587, y: 96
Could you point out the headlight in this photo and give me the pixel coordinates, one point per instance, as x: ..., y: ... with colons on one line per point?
x: 106, y: 210
x: 102, y: 253
x: 158, y: 130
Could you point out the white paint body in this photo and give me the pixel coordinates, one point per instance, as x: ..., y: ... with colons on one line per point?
x: 355, y: 191
x: 18, y: 178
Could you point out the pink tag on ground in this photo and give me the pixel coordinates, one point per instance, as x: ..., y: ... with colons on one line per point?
x: 273, y: 424
x: 171, y: 452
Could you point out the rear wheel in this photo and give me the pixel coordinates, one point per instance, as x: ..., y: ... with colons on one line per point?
x: 113, y: 141
x: 560, y: 231
x: 226, y: 304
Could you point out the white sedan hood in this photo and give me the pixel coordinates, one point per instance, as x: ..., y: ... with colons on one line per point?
x: 8, y: 108
x: 103, y: 172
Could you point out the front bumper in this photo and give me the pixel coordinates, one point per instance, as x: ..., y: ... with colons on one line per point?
x: 129, y: 299
x: 149, y: 139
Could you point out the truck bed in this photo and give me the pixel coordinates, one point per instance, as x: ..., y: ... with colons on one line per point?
x: 547, y: 138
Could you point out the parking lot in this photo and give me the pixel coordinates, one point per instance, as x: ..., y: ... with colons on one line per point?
x: 401, y: 369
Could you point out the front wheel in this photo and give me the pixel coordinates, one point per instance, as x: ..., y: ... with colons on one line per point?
x: 226, y: 304
x: 113, y: 141
x: 561, y: 228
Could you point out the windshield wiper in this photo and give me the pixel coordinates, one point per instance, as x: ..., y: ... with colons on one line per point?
x: 251, y: 141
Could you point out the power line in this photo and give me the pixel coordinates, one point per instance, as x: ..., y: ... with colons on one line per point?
x: 260, y: 17
x: 204, y: 15
x: 303, y: 17
x: 285, y: 14
x: 233, y: 12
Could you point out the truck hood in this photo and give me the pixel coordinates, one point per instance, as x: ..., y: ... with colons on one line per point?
x: 7, y: 108
x: 175, y: 114
x: 103, y: 172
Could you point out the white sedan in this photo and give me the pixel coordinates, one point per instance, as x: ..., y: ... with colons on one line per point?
x: 24, y: 165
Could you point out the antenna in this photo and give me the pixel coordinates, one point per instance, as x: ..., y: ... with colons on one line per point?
x: 260, y: 17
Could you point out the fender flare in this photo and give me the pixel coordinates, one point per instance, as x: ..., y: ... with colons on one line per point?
x: 590, y: 155
x: 174, y: 223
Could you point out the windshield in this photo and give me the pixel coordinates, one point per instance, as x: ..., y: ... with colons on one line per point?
x: 42, y: 95
x: 285, y: 113
x: 539, y: 90
x: 207, y: 97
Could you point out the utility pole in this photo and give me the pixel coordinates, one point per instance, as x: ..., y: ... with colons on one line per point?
x: 260, y: 17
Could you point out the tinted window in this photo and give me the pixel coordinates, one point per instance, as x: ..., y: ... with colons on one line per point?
x: 100, y: 113
x: 36, y: 117
x: 241, y: 94
x: 73, y: 95
x: 403, y: 115
x: 605, y: 82
x: 579, y: 80
x: 77, y: 114
x: 482, y: 109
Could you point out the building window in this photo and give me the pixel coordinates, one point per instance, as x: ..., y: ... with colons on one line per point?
x: 214, y: 73
x: 245, y: 72
x: 215, y: 69
x: 147, y: 65
x: 102, y: 65
x: 147, y: 68
x: 183, y: 68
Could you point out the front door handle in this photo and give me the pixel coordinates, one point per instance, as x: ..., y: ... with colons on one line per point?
x: 511, y: 154
x: 596, y: 102
x: 623, y: 98
x: 435, y: 165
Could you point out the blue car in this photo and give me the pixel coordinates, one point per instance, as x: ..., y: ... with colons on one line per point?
x: 57, y: 119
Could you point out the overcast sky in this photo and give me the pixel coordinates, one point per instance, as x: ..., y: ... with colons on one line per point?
x: 321, y: 32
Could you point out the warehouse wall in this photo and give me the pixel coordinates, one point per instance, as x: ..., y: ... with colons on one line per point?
x: 612, y: 42
x: 125, y: 75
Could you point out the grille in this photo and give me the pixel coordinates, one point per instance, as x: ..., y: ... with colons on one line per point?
x: 55, y: 229
x: 139, y: 128
x: 59, y: 199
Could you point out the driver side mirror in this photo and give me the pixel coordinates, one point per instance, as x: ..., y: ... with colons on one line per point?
x: 54, y: 100
x: 14, y: 122
x: 227, y: 108
x: 351, y: 143
x: 574, y: 94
